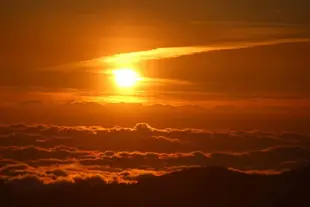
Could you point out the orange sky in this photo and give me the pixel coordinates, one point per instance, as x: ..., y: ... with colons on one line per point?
x: 95, y: 91
x: 242, y: 55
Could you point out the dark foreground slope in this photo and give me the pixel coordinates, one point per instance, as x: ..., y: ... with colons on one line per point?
x: 193, y: 187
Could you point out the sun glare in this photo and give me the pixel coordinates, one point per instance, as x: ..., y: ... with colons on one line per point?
x: 125, y: 77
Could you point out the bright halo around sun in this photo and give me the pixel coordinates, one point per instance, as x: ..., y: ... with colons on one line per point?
x: 126, y: 77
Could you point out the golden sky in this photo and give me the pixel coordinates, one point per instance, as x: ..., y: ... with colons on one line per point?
x: 203, y: 53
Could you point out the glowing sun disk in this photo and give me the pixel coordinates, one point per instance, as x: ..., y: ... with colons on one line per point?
x: 125, y: 77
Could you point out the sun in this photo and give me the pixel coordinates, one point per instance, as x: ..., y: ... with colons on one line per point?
x: 126, y: 77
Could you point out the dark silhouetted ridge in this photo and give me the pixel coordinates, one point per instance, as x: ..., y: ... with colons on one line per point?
x: 212, y: 186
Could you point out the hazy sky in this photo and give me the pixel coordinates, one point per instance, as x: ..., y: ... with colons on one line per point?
x: 244, y: 54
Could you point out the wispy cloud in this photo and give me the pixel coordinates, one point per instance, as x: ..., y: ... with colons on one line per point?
x: 125, y: 59
x: 174, y: 52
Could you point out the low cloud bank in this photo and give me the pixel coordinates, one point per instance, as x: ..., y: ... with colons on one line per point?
x: 52, y: 154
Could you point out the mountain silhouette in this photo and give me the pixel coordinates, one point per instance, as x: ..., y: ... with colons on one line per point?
x: 210, y: 186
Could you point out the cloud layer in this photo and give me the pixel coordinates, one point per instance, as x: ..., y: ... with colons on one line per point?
x: 58, y: 153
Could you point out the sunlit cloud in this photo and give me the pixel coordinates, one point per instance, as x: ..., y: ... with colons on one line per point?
x: 158, y: 53
x: 129, y: 59
x: 174, y: 52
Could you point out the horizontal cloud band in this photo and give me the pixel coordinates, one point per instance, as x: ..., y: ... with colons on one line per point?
x: 57, y: 153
